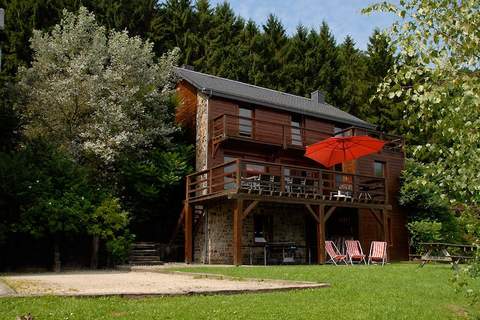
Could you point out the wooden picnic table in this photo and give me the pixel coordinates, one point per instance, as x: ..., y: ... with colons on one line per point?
x: 439, y: 252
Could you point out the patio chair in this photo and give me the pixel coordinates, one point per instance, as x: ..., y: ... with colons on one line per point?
x: 265, y: 183
x: 354, y: 252
x: 334, y: 254
x: 378, y: 252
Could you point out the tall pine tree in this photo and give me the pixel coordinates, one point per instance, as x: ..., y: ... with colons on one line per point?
x: 380, y: 58
x: 326, y: 64
x: 351, y: 92
x: 273, y: 54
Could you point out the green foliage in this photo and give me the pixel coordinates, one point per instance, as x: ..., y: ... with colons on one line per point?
x: 436, y: 79
x: 96, y: 93
x: 351, y: 93
x: 119, y: 248
x: 107, y: 219
x: 152, y: 183
x: 53, y: 194
x: 424, y: 231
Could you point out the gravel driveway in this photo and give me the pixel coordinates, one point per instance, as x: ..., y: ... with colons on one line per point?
x: 140, y: 283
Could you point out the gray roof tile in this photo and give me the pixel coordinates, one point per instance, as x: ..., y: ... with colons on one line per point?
x: 245, y: 92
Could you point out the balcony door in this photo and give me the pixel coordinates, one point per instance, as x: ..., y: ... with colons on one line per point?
x: 245, y: 122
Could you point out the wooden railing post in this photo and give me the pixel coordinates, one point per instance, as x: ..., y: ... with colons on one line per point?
x: 282, y: 179
x: 354, y: 187
x: 284, y: 137
x: 320, y: 182
x: 210, y: 181
x: 187, y: 187
x: 238, y: 172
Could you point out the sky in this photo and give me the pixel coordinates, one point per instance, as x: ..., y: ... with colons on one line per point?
x: 344, y: 17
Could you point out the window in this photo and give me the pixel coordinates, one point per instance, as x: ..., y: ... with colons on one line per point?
x: 245, y: 122
x: 296, y: 133
x: 263, y: 228
x: 379, y: 169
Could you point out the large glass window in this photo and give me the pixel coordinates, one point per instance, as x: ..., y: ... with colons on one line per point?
x: 379, y: 169
x: 296, y: 133
x: 245, y: 122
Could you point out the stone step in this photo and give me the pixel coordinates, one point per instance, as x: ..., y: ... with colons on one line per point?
x: 156, y: 259
x: 144, y: 251
x: 144, y: 244
x: 146, y: 263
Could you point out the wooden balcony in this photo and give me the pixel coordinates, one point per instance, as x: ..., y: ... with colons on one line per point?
x: 226, y: 127
x: 256, y: 180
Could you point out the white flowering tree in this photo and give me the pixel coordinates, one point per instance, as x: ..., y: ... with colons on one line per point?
x: 437, y: 77
x: 96, y: 92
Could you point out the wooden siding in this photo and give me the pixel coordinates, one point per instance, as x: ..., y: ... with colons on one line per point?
x: 316, y: 124
x: 186, y: 111
x: 264, y: 130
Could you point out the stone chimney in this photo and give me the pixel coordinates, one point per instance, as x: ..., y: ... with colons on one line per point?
x: 317, y: 96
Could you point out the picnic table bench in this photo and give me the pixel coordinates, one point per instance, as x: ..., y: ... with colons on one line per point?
x: 439, y: 252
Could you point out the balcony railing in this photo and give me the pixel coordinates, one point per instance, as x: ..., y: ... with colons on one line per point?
x: 280, y: 180
x: 286, y: 135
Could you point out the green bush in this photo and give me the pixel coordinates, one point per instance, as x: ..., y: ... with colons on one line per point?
x: 424, y: 231
x: 119, y: 248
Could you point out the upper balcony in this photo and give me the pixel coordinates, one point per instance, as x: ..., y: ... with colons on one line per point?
x: 226, y: 127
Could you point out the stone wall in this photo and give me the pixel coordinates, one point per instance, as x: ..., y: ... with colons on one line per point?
x: 288, y: 226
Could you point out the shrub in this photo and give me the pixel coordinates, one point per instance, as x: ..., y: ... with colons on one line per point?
x: 424, y: 231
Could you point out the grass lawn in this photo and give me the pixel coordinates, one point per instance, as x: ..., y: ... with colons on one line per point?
x: 397, y: 291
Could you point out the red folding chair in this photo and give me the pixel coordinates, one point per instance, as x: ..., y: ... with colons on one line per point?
x: 354, y: 252
x: 378, y: 252
x: 334, y: 254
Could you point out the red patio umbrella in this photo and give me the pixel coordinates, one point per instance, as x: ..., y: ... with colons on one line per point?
x: 340, y: 149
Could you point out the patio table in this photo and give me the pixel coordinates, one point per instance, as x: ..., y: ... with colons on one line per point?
x: 439, y: 251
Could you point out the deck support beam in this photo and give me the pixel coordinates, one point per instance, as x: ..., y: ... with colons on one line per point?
x: 188, y: 224
x: 237, y: 231
x: 321, y: 234
x: 312, y: 212
x: 249, y: 208
x: 329, y: 213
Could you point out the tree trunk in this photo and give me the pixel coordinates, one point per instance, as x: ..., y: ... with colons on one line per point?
x: 57, y: 264
x: 94, y: 257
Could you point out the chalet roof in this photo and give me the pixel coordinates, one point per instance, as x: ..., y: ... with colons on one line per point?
x: 235, y: 90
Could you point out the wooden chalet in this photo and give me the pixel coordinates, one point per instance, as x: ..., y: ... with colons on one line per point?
x: 255, y: 198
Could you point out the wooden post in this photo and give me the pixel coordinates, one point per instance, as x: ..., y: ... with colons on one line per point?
x: 321, y: 235
x: 188, y: 233
x: 385, y: 225
x: 385, y: 229
x: 237, y: 232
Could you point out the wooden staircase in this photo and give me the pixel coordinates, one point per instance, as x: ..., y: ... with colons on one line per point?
x: 145, y: 253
